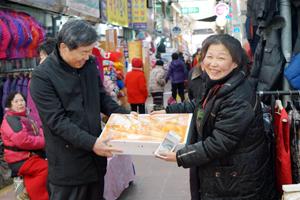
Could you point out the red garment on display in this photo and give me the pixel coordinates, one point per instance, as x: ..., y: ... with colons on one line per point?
x: 35, y: 173
x: 96, y: 52
x: 283, y: 156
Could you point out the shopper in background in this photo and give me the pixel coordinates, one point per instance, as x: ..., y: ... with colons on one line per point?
x: 195, y: 82
x: 24, y: 144
x: 228, y: 146
x: 46, y: 48
x: 157, y: 84
x: 69, y: 95
x: 196, y: 57
x: 135, y: 82
x: 178, y: 74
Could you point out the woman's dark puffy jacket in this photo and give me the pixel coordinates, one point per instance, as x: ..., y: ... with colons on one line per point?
x: 231, y: 150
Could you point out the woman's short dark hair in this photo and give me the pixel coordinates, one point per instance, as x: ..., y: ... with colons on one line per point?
x: 233, y: 45
x: 11, y: 97
x: 75, y: 33
x: 47, y: 46
x: 175, y: 56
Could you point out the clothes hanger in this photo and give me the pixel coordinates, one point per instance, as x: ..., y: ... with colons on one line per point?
x: 278, y: 103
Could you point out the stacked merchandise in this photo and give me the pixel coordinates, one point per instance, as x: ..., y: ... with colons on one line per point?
x: 112, y: 74
x: 20, y: 35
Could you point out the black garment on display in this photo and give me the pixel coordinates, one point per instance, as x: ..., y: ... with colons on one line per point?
x: 262, y: 11
x: 295, y: 144
x: 268, y: 58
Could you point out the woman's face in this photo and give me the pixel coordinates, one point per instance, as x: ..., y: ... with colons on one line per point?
x: 218, y: 62
x: 43, y: 56
x: 18, y: 103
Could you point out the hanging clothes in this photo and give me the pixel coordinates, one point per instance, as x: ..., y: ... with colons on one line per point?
x: 19, y: 84
x: 294, y: 117
x: 6, y: 90
x: 24, y: 89
x: 283, y: 156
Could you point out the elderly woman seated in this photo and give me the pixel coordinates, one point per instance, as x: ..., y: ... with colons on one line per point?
x: 23, y: 147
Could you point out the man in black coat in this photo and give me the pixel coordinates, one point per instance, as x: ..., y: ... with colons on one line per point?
x: 69, y: 96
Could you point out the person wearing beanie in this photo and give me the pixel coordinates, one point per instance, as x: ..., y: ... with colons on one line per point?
x: 5, y: 38
x: 135, y: 83
x: 157, y: 84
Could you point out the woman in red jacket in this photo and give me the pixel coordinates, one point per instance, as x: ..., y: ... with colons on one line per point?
x: 23, y: 144
x: 135, y: 83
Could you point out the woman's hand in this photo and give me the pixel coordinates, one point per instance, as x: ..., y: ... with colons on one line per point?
x: 168, y: 156
x: 158, y: 112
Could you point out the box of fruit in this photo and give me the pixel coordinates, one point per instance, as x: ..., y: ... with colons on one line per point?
x: 142, y: 134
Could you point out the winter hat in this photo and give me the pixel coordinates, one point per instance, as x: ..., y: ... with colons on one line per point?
x: 5, y: 38
x: 13, y: 29
x: 159, y: 62
x: 32, y: 47
x: 16, y: 34
x: 115, y: 56
x: 137, y: 63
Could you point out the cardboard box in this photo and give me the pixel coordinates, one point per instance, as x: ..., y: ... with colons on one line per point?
x: 142, y: 135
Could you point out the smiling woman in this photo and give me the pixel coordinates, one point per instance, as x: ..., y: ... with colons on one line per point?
x: 227, y: 130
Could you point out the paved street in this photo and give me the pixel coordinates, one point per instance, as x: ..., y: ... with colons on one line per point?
x: 157, y: 179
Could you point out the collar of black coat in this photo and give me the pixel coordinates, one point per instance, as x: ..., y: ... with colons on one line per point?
x: 63, y: 64
x: 238, y: 76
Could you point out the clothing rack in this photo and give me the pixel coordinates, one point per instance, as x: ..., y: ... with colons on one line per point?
x: 17, y: 70
x: 21, y: 70
x: 278, y: 92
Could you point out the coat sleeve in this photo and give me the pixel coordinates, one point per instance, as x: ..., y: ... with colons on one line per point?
x: 185, y: 107
x: 53, y: 115
x: 143, y: 86
x: 170, y: 72
x: 230, y: 126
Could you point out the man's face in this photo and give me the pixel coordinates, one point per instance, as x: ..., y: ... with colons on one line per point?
x: 76, y: 58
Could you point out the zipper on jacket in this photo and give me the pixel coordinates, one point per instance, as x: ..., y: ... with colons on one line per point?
x: 186, y: 154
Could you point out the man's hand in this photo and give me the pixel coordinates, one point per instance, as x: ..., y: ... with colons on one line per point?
x: 102, y: 149
x: 158, y: 112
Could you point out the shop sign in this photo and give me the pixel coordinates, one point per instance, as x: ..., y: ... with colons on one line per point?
x: 86, y: 7
x: 139, y: 14
x: 117, y: 12
x: 189, y: 10
x: 51, y: 5
x: 222, y: 9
